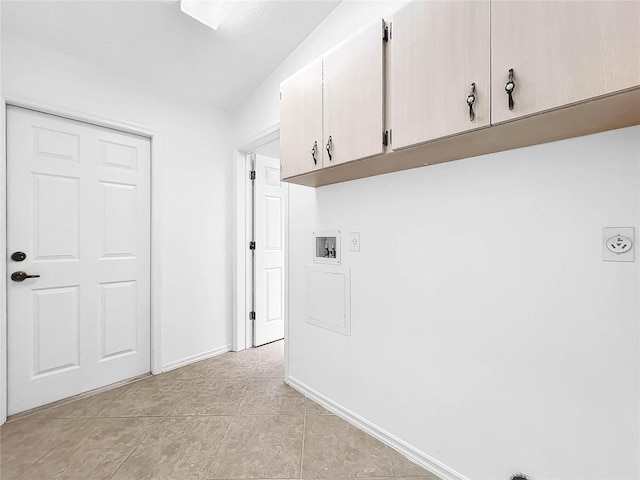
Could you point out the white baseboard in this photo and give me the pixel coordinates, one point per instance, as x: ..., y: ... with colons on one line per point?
x: 412, y: 453
x: 195, y: 358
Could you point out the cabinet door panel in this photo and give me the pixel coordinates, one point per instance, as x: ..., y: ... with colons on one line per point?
x: 353, y: 97
x: 562, y: 52
x: 301, y: 121
x: 438, y: 49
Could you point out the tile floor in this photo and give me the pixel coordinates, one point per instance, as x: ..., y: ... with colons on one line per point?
x: 230, y: 417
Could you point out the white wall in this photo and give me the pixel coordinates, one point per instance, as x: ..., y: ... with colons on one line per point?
x: 487, y: 331
x: 194, y: 167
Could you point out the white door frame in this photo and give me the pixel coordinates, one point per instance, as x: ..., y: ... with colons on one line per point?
x: 241, y: 257
x: 116, y: 124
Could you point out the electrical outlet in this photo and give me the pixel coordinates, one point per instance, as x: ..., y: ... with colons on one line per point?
x: 355, y: 242
x: 618, y: 244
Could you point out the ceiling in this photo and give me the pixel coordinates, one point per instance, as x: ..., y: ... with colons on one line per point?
x: 155, y: 43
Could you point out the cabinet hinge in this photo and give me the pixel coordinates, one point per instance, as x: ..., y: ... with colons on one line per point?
x: 385, y: 33
x: 252, y: 315
x: 385, y: 138
x: 252, y: 245
x: 252, y: 175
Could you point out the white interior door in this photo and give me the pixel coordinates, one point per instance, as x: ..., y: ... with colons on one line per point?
x: 78, y: 207
x: 270, y: 198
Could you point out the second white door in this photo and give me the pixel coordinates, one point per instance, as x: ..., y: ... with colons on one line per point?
x: 270, y: 198
x: 78, y: 208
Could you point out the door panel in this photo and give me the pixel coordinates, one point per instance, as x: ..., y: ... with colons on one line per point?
x: 57, y: 315
x: 56, y: 144
x: 301, y: 121
x: 119, y: 207
x: 561, y: 52
x: 273, y: 216
x: 353, y: 97
x: 78, y: 199
x: 430, y: 78
x: 118, y: 318
x: 56, y: 217
x: 274, y: 282
x: 269, y: 206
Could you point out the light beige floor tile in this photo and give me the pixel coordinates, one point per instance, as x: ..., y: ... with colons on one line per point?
x: 23, y: 442
x: 274, y: 347
x: 149, y: 397
x: 250, y: 352
x: 334, y: 448
x: 205, y: 396
x: 227, y: 368
x: 424, y: 476
x: 181, y: 448
x: 229, y: 417
x: 260, y: 447
x: 188, y: 372
x: 95, y: 452
x: 266, y: 396
x: 87, y: 407
x: 312, y: 408
x: 271, y: 365
x: 403, y: 467
x: 234, y: 359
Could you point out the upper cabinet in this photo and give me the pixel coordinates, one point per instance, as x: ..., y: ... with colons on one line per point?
x: 439, y: 70
x: 354, y: 97
x: 458, y: 79
x: 561, y: 52
x: 332, y: 111
x: 301, y: 136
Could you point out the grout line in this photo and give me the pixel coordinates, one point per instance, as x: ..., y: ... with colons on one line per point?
x: 130, y: 453
x: 304, y: 431
x: 215, y: 456
x: 393, y: 467
x: 124, y: 385
x: 103, y: 417
x: 52, y: 448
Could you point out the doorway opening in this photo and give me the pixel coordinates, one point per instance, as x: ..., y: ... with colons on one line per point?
x: 261, y: 237
x: 268, y: 203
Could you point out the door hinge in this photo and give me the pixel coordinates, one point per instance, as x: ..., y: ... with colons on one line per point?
x: 390, y: 136
x: 252, y: 315
x: 252, y: 175
x: 252, y: 245
x: 385, y: 138
x: 385, y: 33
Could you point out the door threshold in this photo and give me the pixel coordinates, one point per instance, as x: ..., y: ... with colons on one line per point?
x: 80, y: 396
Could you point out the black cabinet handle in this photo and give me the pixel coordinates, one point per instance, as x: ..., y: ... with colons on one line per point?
x: 509, y: 88
x: 314, y: 150
x: 329, y: 147
x: 471, y: 98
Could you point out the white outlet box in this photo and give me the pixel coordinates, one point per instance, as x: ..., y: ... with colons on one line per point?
x: 618, y: 244
x: 354, y: 242
x: 326, y: 246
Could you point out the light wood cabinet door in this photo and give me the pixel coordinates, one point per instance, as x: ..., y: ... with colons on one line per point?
x: 561, y: 52
x: 301, y: 144
x: 353, y: 97
x: 436, y: 51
